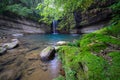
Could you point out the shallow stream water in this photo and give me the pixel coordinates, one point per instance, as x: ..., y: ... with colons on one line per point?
x: 39, y: 42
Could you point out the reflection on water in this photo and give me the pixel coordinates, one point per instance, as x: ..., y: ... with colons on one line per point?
x: 43, y: 40
x: 35, y: 41
x: 54, y: 67
x: 52, y: 37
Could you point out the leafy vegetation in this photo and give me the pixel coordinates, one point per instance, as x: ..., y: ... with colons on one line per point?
x: 61, y: 9
x: 25, y: 8
x: 116, y: 10
x: 18, y: 9
x: 96, y: 57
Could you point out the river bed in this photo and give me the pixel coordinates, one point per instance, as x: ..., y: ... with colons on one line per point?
x: 26, y: 62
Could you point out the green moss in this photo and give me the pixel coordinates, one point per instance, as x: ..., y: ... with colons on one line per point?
x: 59, y: 78
x: 70, y: 66
x: 114, y: 68
x: 83, y: 60
x: 113, y: 30
x: 95, y: 66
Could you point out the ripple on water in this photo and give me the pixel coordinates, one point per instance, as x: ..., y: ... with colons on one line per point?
x: 42, y: 41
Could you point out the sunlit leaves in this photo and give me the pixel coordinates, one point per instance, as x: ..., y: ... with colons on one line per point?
x: 59, y: 9
x: 49, y: 11
x: 18, y: 9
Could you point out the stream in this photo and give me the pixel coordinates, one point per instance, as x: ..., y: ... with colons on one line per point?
x: 25, y: 58
x: 43, y: 40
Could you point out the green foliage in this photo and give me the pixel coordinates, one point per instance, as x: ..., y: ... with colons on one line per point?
x: 18, y: 9
x: 87, y: 62
x: 57, y: 9
x: 75, y: 43
x: 112, y: 30
x: 95, y: 66
x: 49, y: 11
x: 26, y: 8
x: 68, y: 60
x: 32, y: 4
x: 3, y: 4
x: 59, y: 78
x: 114, y: 70
x: 116, y: 12
x: 96, y: 42
x: 67, y: 23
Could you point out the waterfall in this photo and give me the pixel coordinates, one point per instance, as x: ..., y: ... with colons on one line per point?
x: 54, y: 26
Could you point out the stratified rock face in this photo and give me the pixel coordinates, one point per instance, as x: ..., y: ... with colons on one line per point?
x: 17, y: 25
x: 94, y: 18
x: 95, y: 15
x: 97, y: 12
x: 47, y: 53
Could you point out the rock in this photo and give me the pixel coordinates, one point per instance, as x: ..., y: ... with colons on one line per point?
x: 8, y: 61
x: 19, y: 26
x: 31, y: 70
x: 31, y: 59
x: 2, y: 50
x: 1, y: 68
x: 57, y: 48
x: 10, y: 75
x: 32, y: 49
x: 15, y: 40
x: 17, y: 34
x: 44, y: 68
x: 48, y: 53
x: 11, y: 45
x: 60, y: 43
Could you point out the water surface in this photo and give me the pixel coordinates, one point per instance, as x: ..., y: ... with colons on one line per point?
x: 39, y: 42
x: 43, y: 40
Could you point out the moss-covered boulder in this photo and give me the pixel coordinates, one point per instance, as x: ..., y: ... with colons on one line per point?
x: 96, y: 58
x: 48, y: 53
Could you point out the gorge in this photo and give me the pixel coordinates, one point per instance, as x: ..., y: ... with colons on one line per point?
x: 84, y: 36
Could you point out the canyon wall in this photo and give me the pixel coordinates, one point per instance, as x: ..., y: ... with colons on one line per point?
x: 13, y: 25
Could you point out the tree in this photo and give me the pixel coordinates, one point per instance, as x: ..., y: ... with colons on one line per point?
x: 61, y: 9
x: 26, y: 8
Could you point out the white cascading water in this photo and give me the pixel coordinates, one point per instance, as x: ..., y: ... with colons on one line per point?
x: 54, y: 26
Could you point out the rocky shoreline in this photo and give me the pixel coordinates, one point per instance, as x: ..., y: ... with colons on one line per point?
x: 23, y: 63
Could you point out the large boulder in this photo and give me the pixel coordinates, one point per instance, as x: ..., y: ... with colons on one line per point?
x: 57, y: 48
x: 48, y: 53
x: 17, y: 34
x: 60, y: 43
x: 11, y: 45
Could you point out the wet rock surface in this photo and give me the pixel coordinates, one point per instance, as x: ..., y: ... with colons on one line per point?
x: 60, y: 43
x: 48, y: 53
x: 23, y: 63
x: 2, y: 50
x: 13, y: 25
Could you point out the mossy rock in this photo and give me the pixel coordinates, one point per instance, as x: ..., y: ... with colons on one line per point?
x: 96, y: 58
x: 48, y: 53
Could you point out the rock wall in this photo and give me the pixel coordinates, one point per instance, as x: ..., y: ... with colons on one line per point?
x: 21, y: 25
x: 95, y: 17
x: 98, y: 11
